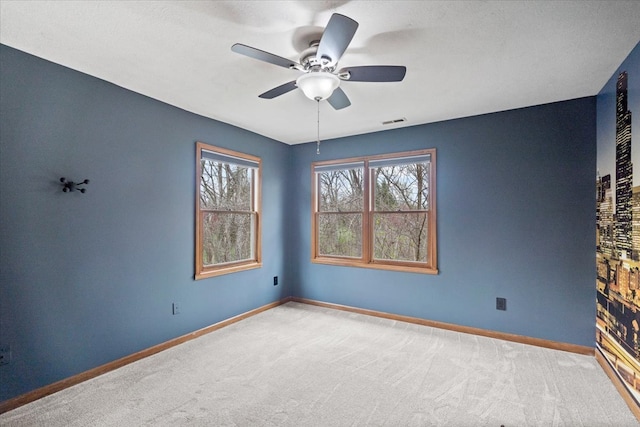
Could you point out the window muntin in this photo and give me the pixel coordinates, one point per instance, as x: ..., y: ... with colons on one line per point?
x: 227, y: 212
x: 376, y: 212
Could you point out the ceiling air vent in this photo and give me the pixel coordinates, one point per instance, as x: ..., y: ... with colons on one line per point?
x: 389, y: 122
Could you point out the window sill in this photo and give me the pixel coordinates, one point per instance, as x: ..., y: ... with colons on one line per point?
x: 227, y: 270
x: 378, y: 266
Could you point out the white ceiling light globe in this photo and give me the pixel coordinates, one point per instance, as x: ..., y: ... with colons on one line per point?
x: 318, y: 85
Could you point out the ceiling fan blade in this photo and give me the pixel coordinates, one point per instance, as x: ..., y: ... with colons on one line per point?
x: 338, y: 99
x: 373, y: 73
x: 336, y: 37
x: 261, y: 55
x: 280, y: 90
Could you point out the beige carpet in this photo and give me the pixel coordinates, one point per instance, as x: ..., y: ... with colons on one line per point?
x: 301, y: 365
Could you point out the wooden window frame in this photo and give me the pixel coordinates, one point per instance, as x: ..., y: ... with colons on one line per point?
x: 202, y: 271
x: 367, y: 260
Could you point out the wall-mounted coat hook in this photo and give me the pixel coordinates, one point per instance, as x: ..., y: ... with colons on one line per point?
x: 72, y: 186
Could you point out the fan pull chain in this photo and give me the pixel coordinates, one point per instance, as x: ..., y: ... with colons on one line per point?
x: 318, y: 137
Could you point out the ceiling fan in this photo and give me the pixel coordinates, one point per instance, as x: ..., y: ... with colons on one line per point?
x: 319, y: 62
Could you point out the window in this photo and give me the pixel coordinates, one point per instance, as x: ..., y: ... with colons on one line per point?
x: 227, y: 211
x: 376, y: 212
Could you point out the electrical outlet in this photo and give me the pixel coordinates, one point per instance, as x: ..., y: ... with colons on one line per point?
x: 501, y: 304
x: 176, y: 308
x: 275, y: 280
x: 5, y: 355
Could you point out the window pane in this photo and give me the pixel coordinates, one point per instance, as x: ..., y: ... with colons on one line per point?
x: 402, y: 187
x: 225, y: 186
x: 340, y: 235
x: 400, y: 236
x: 341, y: 190
x: 227, y: 237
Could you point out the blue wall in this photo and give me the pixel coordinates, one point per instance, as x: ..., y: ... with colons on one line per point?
x: 88, y: 278
x: 515, y: 198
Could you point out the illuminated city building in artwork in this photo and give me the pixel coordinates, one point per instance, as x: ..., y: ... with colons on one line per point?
x: 604, y: 216
x: 635, y: 224
x: 624, y: 171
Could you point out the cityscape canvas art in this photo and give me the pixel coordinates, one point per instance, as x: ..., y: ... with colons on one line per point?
x: 618, y: 226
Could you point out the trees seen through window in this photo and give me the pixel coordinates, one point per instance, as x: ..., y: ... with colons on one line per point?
x: 227, y: 235
x: 376, y: 212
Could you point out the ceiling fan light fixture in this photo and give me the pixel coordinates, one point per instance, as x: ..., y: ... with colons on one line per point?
x: 318, y: 85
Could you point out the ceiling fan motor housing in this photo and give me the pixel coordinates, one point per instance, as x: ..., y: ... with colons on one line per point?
x: 311, y: 62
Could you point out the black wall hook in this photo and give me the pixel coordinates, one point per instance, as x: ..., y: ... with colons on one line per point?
x: 68, y: 186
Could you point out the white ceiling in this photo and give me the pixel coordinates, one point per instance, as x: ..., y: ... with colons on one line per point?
x: 463, y: 58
